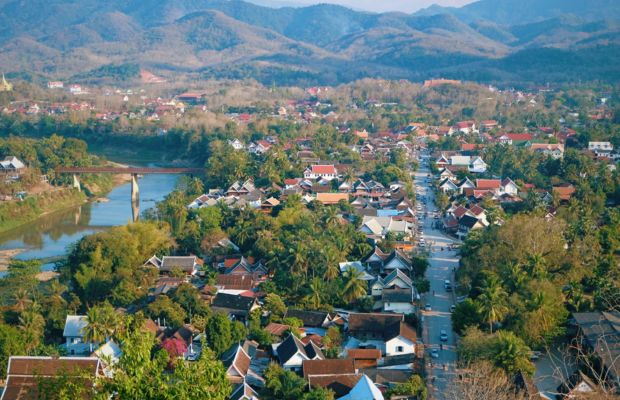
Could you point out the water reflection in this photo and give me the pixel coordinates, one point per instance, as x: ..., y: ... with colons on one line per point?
x: 50, y: 235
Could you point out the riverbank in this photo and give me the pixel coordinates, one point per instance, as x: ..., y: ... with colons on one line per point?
x: 16, y: 213
x: 6, y: 256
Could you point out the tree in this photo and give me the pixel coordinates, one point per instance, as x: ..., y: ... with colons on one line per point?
x: 281, y: 384
x: 354, y: 287
x: 101, y: 325
x: 142, y: 373
x: 222, y: 333
x: 482, y: 381
x: 512, y: 354
x: 167, y: 311
x: 466, y: 314
x: 315, y: 298
x: 492, y: 303
x: 413, y: 387
x: 275, y: 306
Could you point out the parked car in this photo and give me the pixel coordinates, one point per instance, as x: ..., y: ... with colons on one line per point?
x: 452, y: 307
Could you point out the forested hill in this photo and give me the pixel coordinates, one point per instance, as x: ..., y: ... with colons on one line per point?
x: 62, y: 39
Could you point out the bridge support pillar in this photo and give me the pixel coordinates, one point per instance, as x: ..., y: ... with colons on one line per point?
x: 135, y: 198
x: 76, y: 182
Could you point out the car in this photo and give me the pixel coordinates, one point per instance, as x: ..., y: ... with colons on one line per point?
x: 435, y: 352
x: 452, y: 307
x: 447, y: 283
x: 443, y: 336
x: 427, y: 307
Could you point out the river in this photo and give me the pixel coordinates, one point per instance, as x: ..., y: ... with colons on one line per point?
x: 49, y: 236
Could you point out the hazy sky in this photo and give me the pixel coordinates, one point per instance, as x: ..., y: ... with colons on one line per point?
x: 376, y: 5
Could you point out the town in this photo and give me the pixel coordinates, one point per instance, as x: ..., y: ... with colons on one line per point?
x: 339, y: 245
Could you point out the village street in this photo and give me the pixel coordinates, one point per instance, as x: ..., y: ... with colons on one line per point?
x: 443, y: 261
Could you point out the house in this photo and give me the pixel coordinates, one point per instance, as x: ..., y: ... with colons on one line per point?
x: 341, y: 384
x: 314, y: 322
x: 465, y: 184
x: 11, y: 164
x: 447, y: 186
x: 601, y: 149
x: 514, y: 138
x: 110, y: 354
x: 234, y: 284
x: 192, y: 97
x: 237, y: 360
x: 445, y: 173
x: 509, y: 187
x: 599, y: 335
x: 460, y: 161
x: 398, y: 300
x: 235, y: 306
x: 489, y: 124
x: 75, y: 89
x: 328, y: 367
x: 468, y: 223
x: 563, y: 193
x: 477, y: 166
x: 466, y: 127
x: 243, y: 391
x: 259, y: 147
x: 321, y: 171
x: 442, y: 161
x: 26, y: 376
x: 236, y: 144
x: 387, y: 332
x: 493, y: 185
x: 332, y: 198
x: 378, y: 227
x: 555, y: 151
x: 375, y: 258
x: 396, y: 260
x: 74, y: 335
x: 364, y: 358
x: 55, y: 85
x: 269, y: 204
x: 365, y: 389
x: 244, y: 266
x: 167, y: 264
x: 396, y: 279
x: 579, y: 386
x: 292, y: 352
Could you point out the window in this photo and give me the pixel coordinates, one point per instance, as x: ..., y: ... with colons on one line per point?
x: 399, y: 349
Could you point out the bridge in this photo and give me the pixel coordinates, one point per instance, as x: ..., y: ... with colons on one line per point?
x: 133, y: 171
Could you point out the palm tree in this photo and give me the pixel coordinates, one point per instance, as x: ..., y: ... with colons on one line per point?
x: 32, y: 323
x: 492, y: 304
x: 21, y: 300
x: 316, y: 293
x: 354, y: 288
x: 331, y: 216
x: 101, y: 324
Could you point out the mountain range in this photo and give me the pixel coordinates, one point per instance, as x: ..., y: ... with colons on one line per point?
x: 516, y: 41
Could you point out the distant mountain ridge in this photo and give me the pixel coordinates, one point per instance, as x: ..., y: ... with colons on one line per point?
x: 316, y: 44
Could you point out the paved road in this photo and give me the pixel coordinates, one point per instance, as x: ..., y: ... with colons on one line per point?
x: 441, y: 267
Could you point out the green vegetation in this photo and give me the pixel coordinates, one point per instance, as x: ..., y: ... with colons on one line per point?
x: 16, y: 213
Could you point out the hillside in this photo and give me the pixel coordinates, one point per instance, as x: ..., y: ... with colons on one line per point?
x: 519, y: 12
x: 319, y: 44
